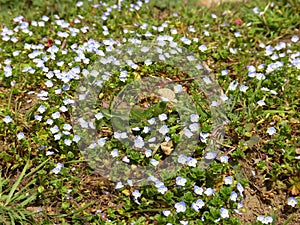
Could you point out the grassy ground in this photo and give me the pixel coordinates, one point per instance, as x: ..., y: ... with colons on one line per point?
x: 251, y: 48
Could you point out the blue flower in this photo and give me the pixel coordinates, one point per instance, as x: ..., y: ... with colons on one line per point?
x: 224, y: 213
x: 139, y: 142
x: 7, y: 119
x: 292, y: 201
x: 119, y: 185
x: 233, y: 196
x: 166, y: 212
x: 271, y: 131
x: 240, y: 188
x: 180, y: 181
x: 233, y: 85
x: 198, y: 205
x: 198, y: 190
x: 136, y: 194
x: 58, y: 167
x: 224, y: 72
x: 228, y: 180
x: 295, y: 38
x: 194, y: 118
x: 209, y: 191
x: 180, y: 207
x: 20, y: 135
x: 164, y: 130
x: 224, y: 159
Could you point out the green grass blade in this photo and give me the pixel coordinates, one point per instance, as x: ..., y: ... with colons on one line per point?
x: 16, y: 184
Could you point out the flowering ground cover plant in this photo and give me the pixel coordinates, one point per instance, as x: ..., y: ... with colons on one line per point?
x: 227, y: 147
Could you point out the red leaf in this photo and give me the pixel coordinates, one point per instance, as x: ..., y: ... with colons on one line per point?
x: 238, y: 21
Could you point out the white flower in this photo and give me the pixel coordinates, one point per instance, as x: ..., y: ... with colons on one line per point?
x: 260, y: 76
x: 233, y: 50
x: 268, y: 220
x: 101, y: 142
x: 206, y: 33
x: 271, y: 131
x: 162, y: 189
x: 67, y: 127
x: 68, y: 142
x: 295, y: 38
x: 54, y: 129
x: 198, y: 205
x: 198, y: 190
x: 191, y: 162
x: 41, y: 109
x: 76, y: 138
x: 233, y: 85
x: 233, y: 196
x: 139, y: 142
x: 194, y: 118
x: 240, y: 188
x: 126, y: 159
x: 180, y: 207
x: 164, y: 130
x: 180, y: 181
x: 136, y: 194
x: 209, y: 191
x: 265, y: 220
x: 166, y: 212
x: 119, y: 185
x: 255, y: 10
x: 210, y: 155
x: 261, y: 103
x: 49, y: 153
x: 202, y: 48
x: 173, y: 31
x: 224, y: 213
x: 162, y: 117
x: 194, y: 127
x: 146, y: 129
x: 237, y: 34
x: 214, y: 16
x: 151, y: 121
x: 58, y: 167
x: 178, y: 88
x: 148, y: 153
x: 203, y: 137
x: 38, y: 117
x: 243, y: 88
x: 115, y: 153
x: 57, y: 137
x: 224, y: 159
x: 191, y: 29
x: 7, y: 119
x: 228, y: 180
x: 224, y: 72
x: 99, y: 116
x: 187, y: 132
x: 224, y: 97
x: 148, y: 62
x: 79, y: 4
x: 56, y: 115
x: 260, y: 218
x: 182, y: 159
x: 20, y: 136
x: 154, y: 162
x: 186, y: 40
x: 292, y: 201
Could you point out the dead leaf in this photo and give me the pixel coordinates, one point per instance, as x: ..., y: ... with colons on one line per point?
x: 167, y: 147
x: 167, y: 94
